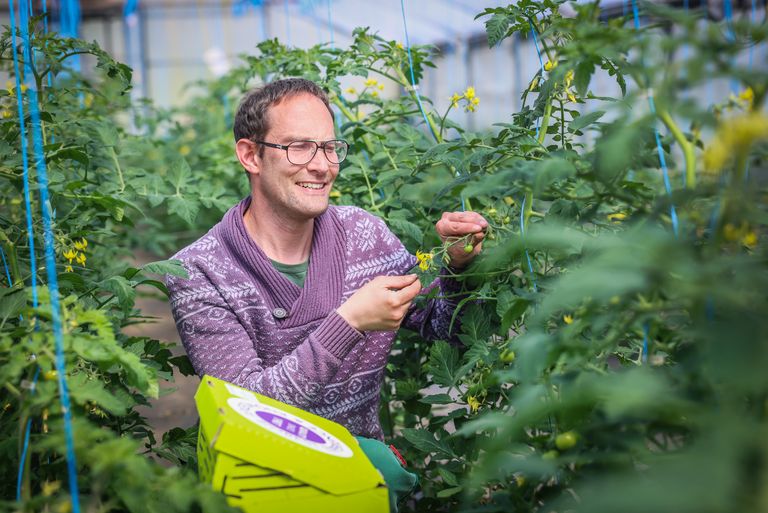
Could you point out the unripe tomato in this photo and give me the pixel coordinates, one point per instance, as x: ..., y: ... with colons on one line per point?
x: 565, y: 441
x: 469, y: 248
x: 550, y: 455
x: 51, y: 375
x: 507, y: 356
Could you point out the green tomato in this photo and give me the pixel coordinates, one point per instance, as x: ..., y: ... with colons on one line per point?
x: 469, y: 248
x: 565, y: 441
x: 550, y: 455
x: 507, y: 356
x: 50, y: 375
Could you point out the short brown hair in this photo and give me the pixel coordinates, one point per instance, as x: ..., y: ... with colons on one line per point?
x: 251, y: 117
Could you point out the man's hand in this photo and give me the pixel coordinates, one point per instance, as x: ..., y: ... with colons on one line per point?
x: 455, y: 227
x: 381, y: 304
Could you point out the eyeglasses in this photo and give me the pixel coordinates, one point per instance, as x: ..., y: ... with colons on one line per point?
x: 302, y: 152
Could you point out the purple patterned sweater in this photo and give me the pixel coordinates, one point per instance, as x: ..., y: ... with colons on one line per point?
x: 242, y: 321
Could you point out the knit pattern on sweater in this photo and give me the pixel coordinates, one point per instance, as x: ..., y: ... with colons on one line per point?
x: 312, y: 358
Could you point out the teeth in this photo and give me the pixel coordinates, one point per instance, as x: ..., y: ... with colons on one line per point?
x: 312, y: 185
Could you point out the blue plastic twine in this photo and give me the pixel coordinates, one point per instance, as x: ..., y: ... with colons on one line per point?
x: 415, y: 88
x: 541, y: 65
x: 527, y: 256
x: 48, y: 240
x: 659, y: 147
x: 5, y: 265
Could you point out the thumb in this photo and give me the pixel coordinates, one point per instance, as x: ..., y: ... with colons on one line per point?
x: 399, y: 282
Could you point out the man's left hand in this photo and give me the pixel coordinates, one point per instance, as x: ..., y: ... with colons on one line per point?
x: 466, y: 231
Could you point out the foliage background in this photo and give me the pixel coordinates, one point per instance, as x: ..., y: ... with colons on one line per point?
x: 546, y: 400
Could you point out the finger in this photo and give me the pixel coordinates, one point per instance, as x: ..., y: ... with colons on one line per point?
x: 398, y: 282
x: 465, y: 217
x: 457, y: 228
x: 406, y: 294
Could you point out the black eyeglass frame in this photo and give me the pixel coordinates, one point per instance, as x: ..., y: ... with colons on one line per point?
x: 318, y: 145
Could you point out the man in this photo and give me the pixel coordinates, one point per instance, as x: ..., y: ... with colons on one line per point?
x: 292, y: 298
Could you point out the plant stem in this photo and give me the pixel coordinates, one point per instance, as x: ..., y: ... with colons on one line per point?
x: 545, y: 121
x: 118, y: 168
x: 685, y: 144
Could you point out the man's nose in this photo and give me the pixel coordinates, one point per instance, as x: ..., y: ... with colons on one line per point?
x: 319, y: 162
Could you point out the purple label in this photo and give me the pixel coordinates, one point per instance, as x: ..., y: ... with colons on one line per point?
x: 291, y: 427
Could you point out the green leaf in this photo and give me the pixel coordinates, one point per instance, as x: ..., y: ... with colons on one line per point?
x: 183, y: 363
x: 171, y: 267
x: 585, y: 120
x: 582, y: 76
x: 12, y: 301
x: 442, y: 364
x: 84, y: 390
x: 496, y: 28
x: 185, y: 209
x: 437, y: 399
x: 425, y: 441
x: 448, y: 492
x: 448, y: 477
x: 122, y: 289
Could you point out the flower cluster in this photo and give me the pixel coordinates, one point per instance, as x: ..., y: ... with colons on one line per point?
x: 425, y: 260
x: 371, y: 86
x: 735, y: 137
x: 469, y: 97
x: 76, y: 253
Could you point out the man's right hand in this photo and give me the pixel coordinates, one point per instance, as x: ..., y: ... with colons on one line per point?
x: 381, y: 304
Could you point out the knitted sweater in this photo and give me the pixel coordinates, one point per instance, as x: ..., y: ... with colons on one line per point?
x: 240, y: 320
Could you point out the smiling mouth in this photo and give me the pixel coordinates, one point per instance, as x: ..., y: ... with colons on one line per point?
x: 311, y: 186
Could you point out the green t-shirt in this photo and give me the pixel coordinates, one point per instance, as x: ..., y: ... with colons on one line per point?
x: 297, y: 273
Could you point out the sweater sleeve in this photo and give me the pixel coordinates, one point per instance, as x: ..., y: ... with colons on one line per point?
x: 219, y: 345
x: 431, y: 318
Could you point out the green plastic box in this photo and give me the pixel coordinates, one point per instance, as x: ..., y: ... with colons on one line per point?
x: 268, y: 456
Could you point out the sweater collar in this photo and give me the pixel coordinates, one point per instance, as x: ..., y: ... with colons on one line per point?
x: 322, y: 290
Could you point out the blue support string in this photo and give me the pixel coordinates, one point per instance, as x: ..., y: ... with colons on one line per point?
x: 527, y: 256
x: 541, y: 65
x: 415, y: 88
x: 24, y: 161
x: 50, y: 257
x: 5, y: 265
x: 659, y: 147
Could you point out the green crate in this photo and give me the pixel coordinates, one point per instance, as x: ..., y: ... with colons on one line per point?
x: 268, y: 456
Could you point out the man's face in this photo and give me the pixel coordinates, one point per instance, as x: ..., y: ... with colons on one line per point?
x: 299, y: 192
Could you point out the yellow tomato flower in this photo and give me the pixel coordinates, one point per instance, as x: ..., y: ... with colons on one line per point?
x: 7, y: 114
x: 351, y: 90
x: 571, y: 97
x: 568, y: 78
x: 184, y: 150
x: 80, y: 258
x: 617, y: 216
x: 375, y: 94
x: 425, y: 260
x: 475, y: 101
x: 455, y: 100
x: 381, y: 87
x: 550, y: 65
x: 568, y: 319
x: 735, y: 136
x: 70, y: 255
x: 749, y: 239
x: 473, y: 403
x: 81, y: 244
x: 731, y: 233
x: 747, y: 95
x: 68, y: 269
x: 469, y: 93
x: 371, y: 82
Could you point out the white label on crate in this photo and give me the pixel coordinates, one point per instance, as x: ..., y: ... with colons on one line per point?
x: 289, y: 426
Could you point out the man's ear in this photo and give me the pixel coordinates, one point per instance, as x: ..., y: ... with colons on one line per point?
x: 248, y: 155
